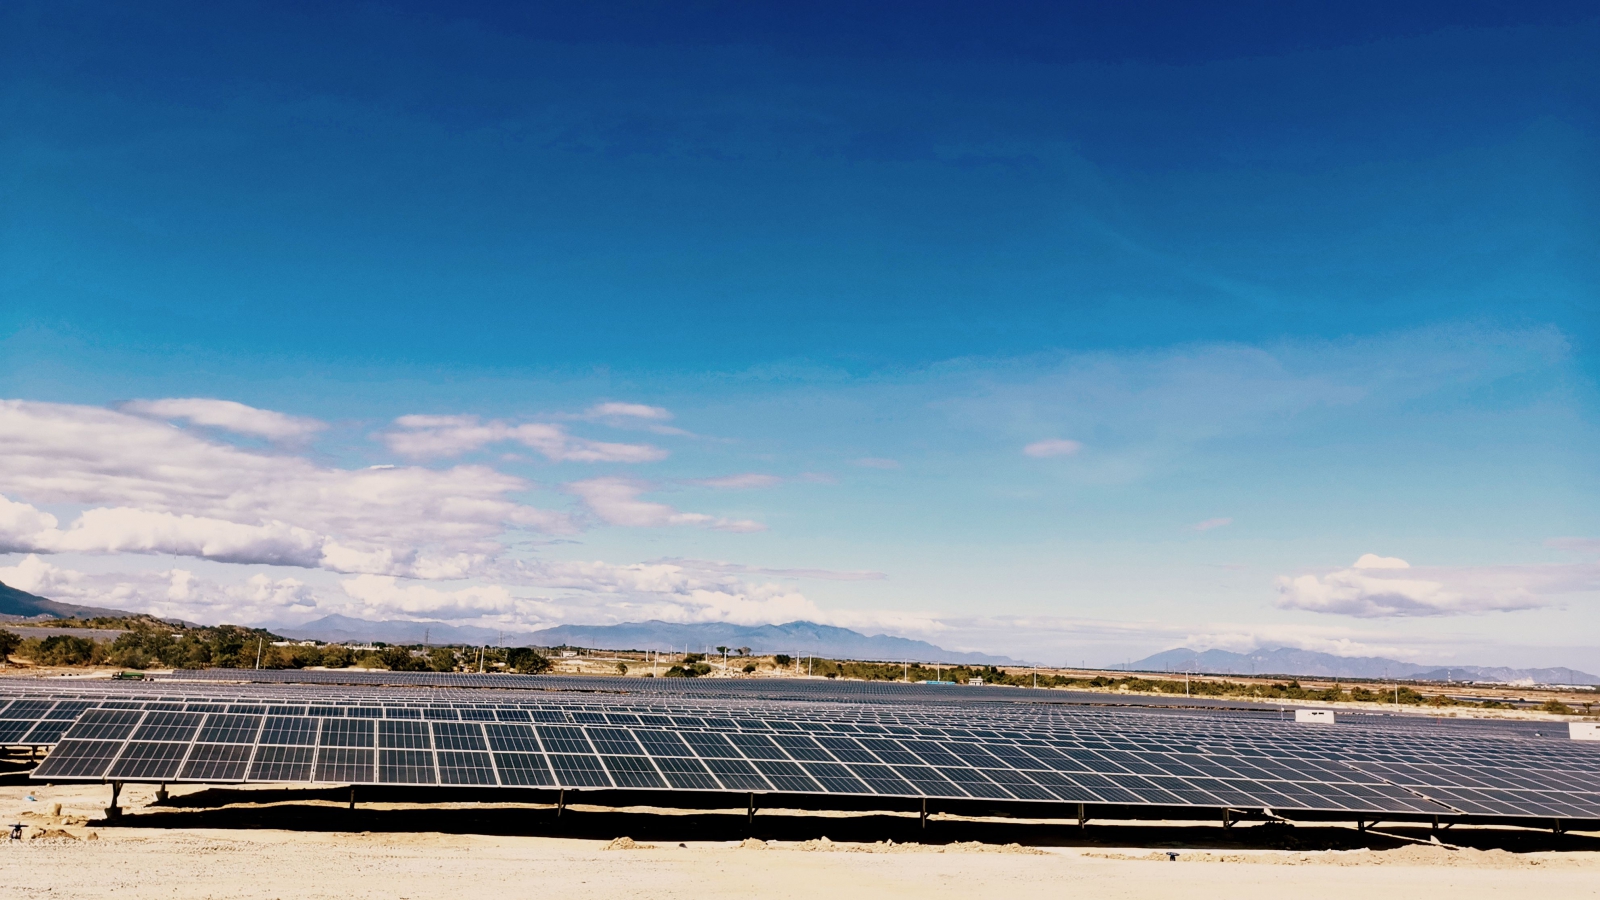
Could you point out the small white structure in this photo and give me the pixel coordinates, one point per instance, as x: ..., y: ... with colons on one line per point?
x: 1584, y: 731
x: 974, y: 681
x: 1319, y: 716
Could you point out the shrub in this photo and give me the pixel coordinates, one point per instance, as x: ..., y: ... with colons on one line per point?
x: 783, y: 659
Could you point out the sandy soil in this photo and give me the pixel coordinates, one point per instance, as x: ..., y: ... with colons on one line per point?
x: 269, y: 844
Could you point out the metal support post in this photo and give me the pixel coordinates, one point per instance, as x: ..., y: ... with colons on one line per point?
x: 1227, y: 818
x: 1557, y: 828
x: 750, y: 814
x: 352, y: 797
x: 1361, y: 825
x: 1083, y: 817
x: 113, y: 811
x: 561, y: 803
x: 161, y: 794
x: 923, y: 819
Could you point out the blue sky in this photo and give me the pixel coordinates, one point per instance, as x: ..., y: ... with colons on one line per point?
x: 1070, y: 332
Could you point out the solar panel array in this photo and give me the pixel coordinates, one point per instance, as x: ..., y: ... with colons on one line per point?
x: 1001, y: 752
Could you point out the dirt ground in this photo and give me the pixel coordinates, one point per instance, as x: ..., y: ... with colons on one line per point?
x: 275, y: 844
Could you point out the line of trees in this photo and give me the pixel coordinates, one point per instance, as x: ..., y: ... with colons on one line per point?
x: 151, y: 643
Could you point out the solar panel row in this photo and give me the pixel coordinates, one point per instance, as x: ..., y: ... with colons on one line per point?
x: 1141, y: 762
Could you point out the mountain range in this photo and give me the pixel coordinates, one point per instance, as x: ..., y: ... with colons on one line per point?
x: 1309, y: 663
x: 794, y: 638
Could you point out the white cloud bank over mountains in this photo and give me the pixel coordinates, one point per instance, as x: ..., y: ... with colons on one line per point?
x: 1389, y: 587
x: 127, y: 481
x: 158, y: 478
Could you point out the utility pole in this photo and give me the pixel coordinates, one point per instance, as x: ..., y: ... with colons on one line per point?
x: 258, y: 651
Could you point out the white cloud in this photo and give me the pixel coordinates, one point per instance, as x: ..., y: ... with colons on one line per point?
x: 151, y: 488
x: 384, y: 596
x: 1385, y: 586
x: 745, y: 482
x: 229, y: 416
x: 616, y: 502
x: 726, y: 568
x: 1576, y: 544
x: 1052, y: 447
x: 1209, y: 524
x: 168, y: 593
x: 626, y: 410
x: 36, y: 576
x: 877, y: 462
x: 434, y: 437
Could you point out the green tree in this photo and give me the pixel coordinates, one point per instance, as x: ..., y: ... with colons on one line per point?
x: 65, y: 650
x: 622, y: 668
x: 442, y: 659
x: 783, y: 659
x: 526, y: 660
x: 9, y: 642
x: 337, y: 656
x: 399, y: 659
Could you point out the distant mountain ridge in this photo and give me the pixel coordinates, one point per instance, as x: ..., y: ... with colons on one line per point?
x: 795, y: 638
x: 18, y: 604
x: 1312, y: 664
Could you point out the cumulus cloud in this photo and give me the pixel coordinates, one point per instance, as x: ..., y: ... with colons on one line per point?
x: 150, y: 488
x: 435, y: 437
x: 616, y: 502
x: 1052, y: 447
x: 1385, y: 586
x: 745, y: 482
x: 1209, y: 524
x: 167, y: 592
x: 228, y: 415
x: 384, y: 596
x: 667, y: 590
x: 125, y: 530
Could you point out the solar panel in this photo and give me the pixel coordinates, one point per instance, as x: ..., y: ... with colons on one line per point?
x: 887, y: 745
